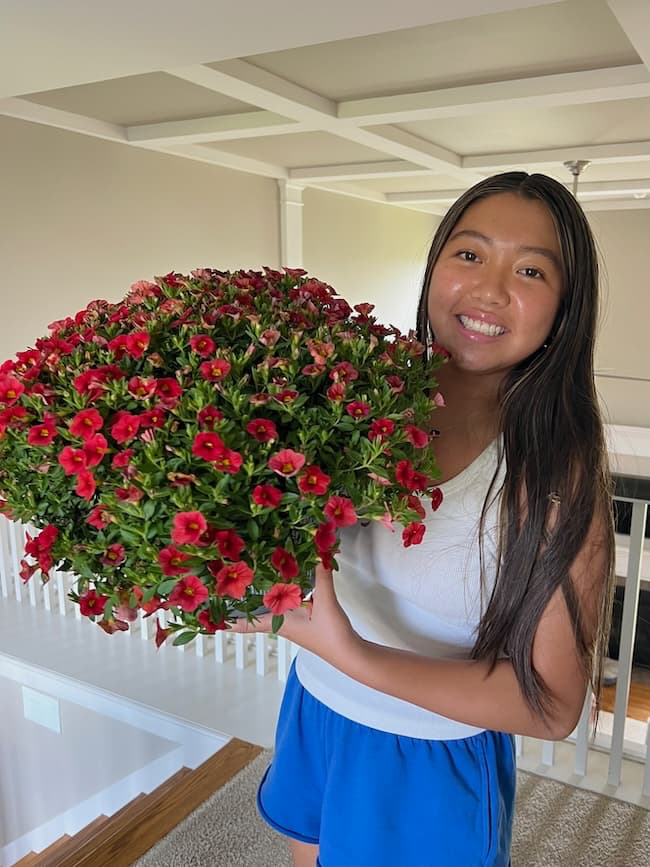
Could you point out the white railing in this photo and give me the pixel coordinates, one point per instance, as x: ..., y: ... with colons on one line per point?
x: 594, y: 762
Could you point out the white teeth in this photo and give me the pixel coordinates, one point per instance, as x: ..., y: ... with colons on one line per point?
x: 481, y: 327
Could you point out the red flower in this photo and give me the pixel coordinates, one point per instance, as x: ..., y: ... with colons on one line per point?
x: 208, y: 446
x: 161, y: 634
x: 129, y: 495
x: 262, y: 429
x: 283, y: 597
x: 313, y: 480
x: 172, y: 561
x: 10, y: 390
x: 208, y: 624
x: 343, y: 372
x: 202, y: 344
x: 137, y: 344
x: 404, y: 473
x: 416, y: 436
x: 415, y: 505
x: 313, y: 369
x: 285, y: 563
x: 95, y: 448
x: 86, y: 484
x: 286, y: 463
x: 340, y: 511
x: 436, y: 499
x: 285, y: 397
x: 233, y: 580
x: 228, y: 461
x: 325, y: 536
x: 114, y: 555
x: 99, y: 517
x: 382, y: 427
x: 215, y: 370
x: 396, y: 384
x: 86, y: 423
x: 230, y: 545
x: 27, y: 570
x: 141, y: 388
x: 259, y: 399
x: 72, y: 460
x: 188, y: 528
x: 267, y: 495
x: 92, y: 604
x: 412, y: 535
x: 358, y: 409
x: 270, y: 337
x: 41, y: 435
x: 336, y: 392
x: 122, y: 459
x: 189, y: 593
x: 209, y: 416
x: 153, y: 418
x: 125, y: 428
x: 169, y: 392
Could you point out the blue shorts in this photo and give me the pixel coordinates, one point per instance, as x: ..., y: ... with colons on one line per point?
x: 369, y: 798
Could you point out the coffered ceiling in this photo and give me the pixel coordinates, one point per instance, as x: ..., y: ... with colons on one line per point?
x: 405, y: 103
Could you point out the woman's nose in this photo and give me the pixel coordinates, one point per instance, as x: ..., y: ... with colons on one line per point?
x: 492, y: 287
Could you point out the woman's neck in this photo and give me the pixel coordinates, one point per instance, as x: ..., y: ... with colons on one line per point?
x: 471, y: 407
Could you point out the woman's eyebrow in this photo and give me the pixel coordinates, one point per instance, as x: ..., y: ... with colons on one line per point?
x: 542, y: 251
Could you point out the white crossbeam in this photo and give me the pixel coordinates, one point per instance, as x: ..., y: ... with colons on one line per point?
x: 570, y: 88
x: 619, y: 152
x: 244, y: 124
x: 24, y: 109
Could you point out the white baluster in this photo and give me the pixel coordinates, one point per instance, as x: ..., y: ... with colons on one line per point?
x: 628, y: 632
x: 582, y: 736
x: 261, y: 664
x: 144, y: 626
x: 219, y: 647
x: 16, y: 542
x: 283, y: 658
x: 241, y: 650
x: 548, y: 753
x: 519, y: 746
x: 199, y: 646
x: 46, y: 594
x: 59, y: 577
x: 646, y: 770
x: 4, y: 557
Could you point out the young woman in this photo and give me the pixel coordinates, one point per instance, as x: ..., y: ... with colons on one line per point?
x: 394, y: 745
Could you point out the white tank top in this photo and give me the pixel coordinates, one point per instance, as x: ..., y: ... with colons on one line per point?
x: 426, y: 599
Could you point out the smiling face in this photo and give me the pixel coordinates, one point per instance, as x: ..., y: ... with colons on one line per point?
x: 497, y: 284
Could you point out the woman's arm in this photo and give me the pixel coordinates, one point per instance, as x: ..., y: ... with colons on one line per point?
x: 463, y: 690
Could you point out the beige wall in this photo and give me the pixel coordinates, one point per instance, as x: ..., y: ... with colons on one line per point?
x: 368, y: 252
x: 623, y: 356
x: 82, y: 218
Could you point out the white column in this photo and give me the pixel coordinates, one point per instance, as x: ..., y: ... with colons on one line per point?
x: 291, y: 206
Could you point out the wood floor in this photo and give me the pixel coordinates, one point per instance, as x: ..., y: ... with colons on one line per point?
x: 120, y: 840
x: 639, y: 702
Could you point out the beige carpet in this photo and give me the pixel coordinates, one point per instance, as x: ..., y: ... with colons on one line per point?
x: 556, y: 826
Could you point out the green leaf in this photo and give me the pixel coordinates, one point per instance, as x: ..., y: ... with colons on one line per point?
x: 276, y: 623
x: 166, y: 586
x: 253, y: 529
x: 184, y: 638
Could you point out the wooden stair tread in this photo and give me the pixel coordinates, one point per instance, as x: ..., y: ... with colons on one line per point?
x: 119, y: 840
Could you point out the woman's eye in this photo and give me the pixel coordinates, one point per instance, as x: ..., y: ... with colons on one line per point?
x: 532, y: 272
x: 468, y: 256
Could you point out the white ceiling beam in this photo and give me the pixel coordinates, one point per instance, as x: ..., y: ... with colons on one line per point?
x: 620, y: 152
x: 616, y: 205
x: 245, y: 124
x: 634, y: 18
x: 24, y: 109
x: 571, y: 88
x: 248, y: 83
x: 215, y: 157
x: 358, y: 171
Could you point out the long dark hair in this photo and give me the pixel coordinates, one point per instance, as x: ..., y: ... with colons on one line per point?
x: 554, y: 451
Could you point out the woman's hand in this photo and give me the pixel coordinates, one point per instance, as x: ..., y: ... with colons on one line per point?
x: 319, y: 625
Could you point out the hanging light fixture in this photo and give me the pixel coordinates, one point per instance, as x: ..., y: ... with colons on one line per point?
x: 576, y: 167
